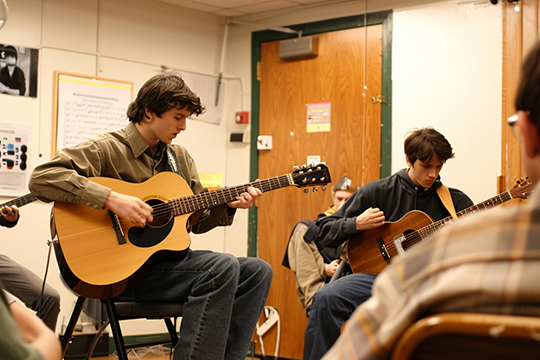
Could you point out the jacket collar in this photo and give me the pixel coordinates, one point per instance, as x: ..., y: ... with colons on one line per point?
x: 136, y: 141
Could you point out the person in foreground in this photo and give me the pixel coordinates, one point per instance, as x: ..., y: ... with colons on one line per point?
x: 502, y: 268
x: 389, y: 199
x: 23, y: 283
x: 311, y: 266
x: 223, y: 295
x: 24, y: 336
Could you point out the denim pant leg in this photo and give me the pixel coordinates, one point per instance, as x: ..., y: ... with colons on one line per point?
x: 26, y: 286
x: 253, y: 287
x: 332, y: 305
x: 207, y: 284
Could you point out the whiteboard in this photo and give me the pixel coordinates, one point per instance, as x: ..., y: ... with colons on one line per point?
x: 87, y: 106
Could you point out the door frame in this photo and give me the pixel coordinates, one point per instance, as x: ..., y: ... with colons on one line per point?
x: 258, y: 37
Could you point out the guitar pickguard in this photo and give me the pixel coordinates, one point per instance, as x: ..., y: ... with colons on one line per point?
x: 398, y: 241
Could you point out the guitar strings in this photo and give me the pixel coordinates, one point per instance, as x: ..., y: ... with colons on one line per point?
x: 208, y: 199
x: 420, y: 234
x: 205, y: 200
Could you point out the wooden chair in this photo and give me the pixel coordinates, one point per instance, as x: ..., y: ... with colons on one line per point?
x: 123, y: 310
x: 470, y: 336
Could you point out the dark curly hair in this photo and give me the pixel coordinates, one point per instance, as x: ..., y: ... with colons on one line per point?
x: 162, y: 93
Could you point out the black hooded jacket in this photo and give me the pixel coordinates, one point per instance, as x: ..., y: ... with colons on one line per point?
x: 395, y: 195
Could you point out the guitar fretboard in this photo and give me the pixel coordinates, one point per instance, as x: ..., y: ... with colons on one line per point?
x: 494, y: 201
x: 210, y: 199
x: 20, y: 201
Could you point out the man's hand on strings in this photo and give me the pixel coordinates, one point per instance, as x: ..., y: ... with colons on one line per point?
x: 129, y: 208
x: 246, y: 199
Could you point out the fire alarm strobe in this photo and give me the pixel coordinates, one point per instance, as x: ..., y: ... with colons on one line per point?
x: 242, y: 117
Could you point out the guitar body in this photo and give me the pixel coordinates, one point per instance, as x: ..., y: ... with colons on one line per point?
x: 101, y: 255
x: 95, y: 256
x: 371, y: 250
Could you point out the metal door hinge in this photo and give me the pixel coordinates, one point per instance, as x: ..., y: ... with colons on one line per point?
x: 379, y: 99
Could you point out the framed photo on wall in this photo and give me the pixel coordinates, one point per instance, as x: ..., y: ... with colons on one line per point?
x: 18, y: 70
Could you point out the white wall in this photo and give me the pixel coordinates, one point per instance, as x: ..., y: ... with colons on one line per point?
x: 447, y: 73
x: 106, y: 38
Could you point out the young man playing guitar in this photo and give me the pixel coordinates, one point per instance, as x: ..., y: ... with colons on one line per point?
x: 389, y: 199
x: 223, y: 295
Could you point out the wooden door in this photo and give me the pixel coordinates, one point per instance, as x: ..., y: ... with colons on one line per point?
x: 347, y: 75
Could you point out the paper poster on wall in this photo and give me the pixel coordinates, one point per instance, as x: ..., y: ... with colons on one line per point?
x: 88, y: 106
x: 18, y: 70
x: 318, y: 116
x: 205, y: 86
x: 15, y: 149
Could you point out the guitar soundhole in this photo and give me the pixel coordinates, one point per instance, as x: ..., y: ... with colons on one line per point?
x: 162, y: 214
x: 156, y: 231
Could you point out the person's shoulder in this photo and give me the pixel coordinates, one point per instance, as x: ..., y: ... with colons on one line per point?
x: 383, y: 183
x: 178, y: 149
x: 457, y: 193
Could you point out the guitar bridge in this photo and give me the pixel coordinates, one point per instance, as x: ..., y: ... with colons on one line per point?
x: 120, y: 236
x: 382, y: 249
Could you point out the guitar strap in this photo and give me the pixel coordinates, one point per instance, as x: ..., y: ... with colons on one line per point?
x: 446, y: 199
x: 173, y: 162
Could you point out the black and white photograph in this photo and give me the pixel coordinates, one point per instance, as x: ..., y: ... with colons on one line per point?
x: 18, y: 70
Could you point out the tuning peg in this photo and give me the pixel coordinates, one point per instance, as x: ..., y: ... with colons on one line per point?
x: 323, y: 188
x: 296, y: 167
x: 306, y: 191
x: 314, y: 189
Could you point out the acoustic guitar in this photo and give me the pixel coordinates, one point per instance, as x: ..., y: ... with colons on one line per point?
x: 371, y: 250
x: 104, y: 254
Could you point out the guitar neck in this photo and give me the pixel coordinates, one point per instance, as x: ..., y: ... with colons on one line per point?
x: 210, y: 199
x: 489, y: 203
x: 20, y: 201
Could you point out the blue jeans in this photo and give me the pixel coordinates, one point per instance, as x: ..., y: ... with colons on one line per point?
x: 223, y: 297
x: 332, y: 305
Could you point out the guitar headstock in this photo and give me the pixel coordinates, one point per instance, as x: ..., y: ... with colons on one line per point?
x: 522, y: 189
x: 311, y: 175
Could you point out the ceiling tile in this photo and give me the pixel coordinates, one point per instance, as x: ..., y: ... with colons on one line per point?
x: 267, y: 6
x: 229, y: 13
x: 229, y: 3
x: 196, y: 5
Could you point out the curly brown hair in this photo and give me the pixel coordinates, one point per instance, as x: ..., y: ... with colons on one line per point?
x: 162, y: 93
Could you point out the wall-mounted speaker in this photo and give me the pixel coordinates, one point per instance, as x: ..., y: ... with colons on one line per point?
x: 301, y: 48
